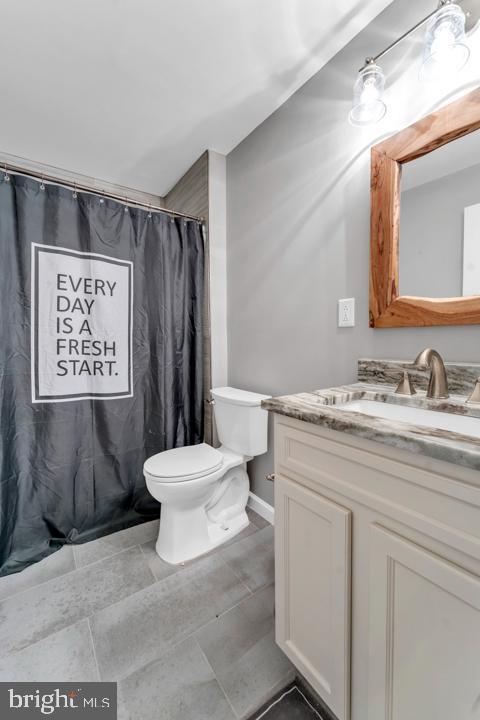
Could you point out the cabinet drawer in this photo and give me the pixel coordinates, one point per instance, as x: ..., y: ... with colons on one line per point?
x: 312, y: 570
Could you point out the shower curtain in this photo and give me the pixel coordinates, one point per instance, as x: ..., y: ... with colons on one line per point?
x: 100, y: 361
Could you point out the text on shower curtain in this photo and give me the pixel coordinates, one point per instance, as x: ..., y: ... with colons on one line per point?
x: 81, y: 322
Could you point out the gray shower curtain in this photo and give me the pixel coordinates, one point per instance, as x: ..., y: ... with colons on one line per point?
x: 100, y: 361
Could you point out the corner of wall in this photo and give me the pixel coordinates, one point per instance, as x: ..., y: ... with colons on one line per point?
x: 217, y: 202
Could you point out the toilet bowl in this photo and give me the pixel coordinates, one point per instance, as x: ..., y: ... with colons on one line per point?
x: 204, y: 491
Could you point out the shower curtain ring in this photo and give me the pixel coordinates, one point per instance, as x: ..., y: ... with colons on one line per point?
x: 74, y: 194
x: 126, y: 205
x: 102, y: 199
x: 149, y: 211
x: 6, y: 176
x: 42, y: 184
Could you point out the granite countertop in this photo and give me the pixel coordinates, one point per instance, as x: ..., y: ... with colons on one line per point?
x: 319, y: 407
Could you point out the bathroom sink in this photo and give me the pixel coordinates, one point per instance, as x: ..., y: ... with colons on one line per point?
x: 451, y: 422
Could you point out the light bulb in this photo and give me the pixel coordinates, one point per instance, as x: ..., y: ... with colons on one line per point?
x: 368, y: 106
x: 370, y: 92
x: 445, y: 52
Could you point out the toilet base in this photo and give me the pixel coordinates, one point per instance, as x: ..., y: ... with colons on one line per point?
x: 205, y: 535
x: 193, y: 524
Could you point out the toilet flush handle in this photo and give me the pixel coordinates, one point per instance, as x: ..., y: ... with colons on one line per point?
x: 210, y: 401
x: 270, y: 477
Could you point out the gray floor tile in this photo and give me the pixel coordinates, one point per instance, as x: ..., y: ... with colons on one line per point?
x: 159, y: 567
x: 54, y: 565
x: 240, y: 646
x: 257, y: 519
x: 180, y: 686
x: 252, y: 558
x: 62, y: 657
x: 138, y: 630
x: 162, y: 569
x: 41, y: 611
x: 110, y: 544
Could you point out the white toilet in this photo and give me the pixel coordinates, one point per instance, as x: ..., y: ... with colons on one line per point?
x: 204, y: 491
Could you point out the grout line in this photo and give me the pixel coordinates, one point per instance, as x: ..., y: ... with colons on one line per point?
x: 63, y: 575
x: 309, y: 703
x: 285, y: 681
x: 96, y: 562
x: 276, y: 702
x: 106, y: 557
x: 116, y: 551
x: 42, y: 582
x: 217, y: 679
x: 136, y: 592
x: 94, y: 650
x: 292, y: 689
x: 157, y: 579
x: 186, y: 637
x: 193, y: 634
x: 78, y: 568
x: 241, y: 580
x: 249, y: 597
x: 252, y: 520
x: 147, y: 564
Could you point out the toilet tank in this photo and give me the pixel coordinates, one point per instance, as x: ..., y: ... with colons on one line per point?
x: 241, y: 422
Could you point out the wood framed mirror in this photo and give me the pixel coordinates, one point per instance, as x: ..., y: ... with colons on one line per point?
x: 388, y: 307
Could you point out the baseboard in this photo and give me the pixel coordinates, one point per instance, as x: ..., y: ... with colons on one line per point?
x: 261, y: 507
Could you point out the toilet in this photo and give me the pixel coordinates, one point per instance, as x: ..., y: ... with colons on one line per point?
x: 203, y: 490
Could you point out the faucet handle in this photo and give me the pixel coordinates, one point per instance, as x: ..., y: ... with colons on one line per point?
x: 474, y: 398
x: 405, y: 386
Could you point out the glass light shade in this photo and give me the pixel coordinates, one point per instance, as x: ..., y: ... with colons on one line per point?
x: 445, y: 50
x: 368, y: 106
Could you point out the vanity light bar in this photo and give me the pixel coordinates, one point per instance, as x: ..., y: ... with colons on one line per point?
x: 445, y: 50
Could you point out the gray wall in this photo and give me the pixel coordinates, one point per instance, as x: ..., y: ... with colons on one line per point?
x: 431, y: 234
x: 298, y: 231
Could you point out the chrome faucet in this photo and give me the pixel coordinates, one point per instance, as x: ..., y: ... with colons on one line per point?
x: 431, y: 360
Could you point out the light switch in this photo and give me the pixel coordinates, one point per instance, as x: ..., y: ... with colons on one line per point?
x: 346, y: 312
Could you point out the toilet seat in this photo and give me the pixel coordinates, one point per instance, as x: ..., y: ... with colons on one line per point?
x: 185, y: 463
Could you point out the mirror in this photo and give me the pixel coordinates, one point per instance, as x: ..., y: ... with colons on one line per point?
x: 425, y: 221
x: 439, y: 251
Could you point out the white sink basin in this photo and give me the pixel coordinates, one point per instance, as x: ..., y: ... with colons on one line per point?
x: 415, y: 416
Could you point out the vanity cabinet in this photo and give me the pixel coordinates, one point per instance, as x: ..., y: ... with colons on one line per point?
x: 377, y: 555
x: 312, y: 567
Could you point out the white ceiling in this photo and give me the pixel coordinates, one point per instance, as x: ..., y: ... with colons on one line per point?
x: 133, y: 91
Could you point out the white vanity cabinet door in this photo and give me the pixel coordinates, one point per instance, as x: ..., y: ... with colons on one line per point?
x: 312, y: 571
x: 424, y: 655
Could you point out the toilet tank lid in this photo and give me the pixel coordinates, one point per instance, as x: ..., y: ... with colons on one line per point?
x: 238, y: 397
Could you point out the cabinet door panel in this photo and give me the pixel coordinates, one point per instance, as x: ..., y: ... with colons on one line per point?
x: 312, y: 567
x: 424, y: 656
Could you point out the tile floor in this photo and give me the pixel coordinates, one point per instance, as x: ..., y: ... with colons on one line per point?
x: 192, y: 642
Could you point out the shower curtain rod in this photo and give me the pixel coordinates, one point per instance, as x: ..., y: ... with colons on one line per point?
x: 74, y: 186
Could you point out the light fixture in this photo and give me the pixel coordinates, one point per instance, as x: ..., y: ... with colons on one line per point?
x: 445, y: 50
x: 445, y: 53
x: 368, y: 106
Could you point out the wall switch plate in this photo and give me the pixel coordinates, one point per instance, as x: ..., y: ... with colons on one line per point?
x: 346, y: 312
